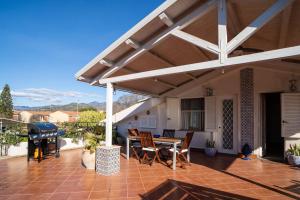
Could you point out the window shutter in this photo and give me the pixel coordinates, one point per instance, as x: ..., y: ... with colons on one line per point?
x: 290, y: 115
x: 173, y: 108
x: 210, y: 113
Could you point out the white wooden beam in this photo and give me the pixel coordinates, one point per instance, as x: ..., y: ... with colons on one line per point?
x: 256, y: 57
x: 284, y: 26
x: 109, y: 113
x: 232, y: 18
x: 269, y: 66
x: 196, y: 41
x: 182, y: 23
x: 166, y: 19
x: 213, y: 75
x: 257, y: 24
x: 141, y: 92
x: 154, y: 79
x: 148, y: 19
x: 191, y: 76
x: 167, y: 62
x: 106, y: 62
x: 134, y: 44
x: 222, y: 30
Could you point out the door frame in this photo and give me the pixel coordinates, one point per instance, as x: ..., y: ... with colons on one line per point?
x: 219, y: 138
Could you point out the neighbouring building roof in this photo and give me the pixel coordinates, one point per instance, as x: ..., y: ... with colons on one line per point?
x: 44, y: 113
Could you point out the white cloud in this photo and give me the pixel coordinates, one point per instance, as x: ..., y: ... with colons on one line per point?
x: 51, y: 96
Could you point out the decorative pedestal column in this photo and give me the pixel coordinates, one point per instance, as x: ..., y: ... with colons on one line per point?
x: 108, y: 160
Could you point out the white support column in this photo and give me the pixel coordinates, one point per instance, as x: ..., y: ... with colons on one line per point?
x: 109, y: 112
x: 222, y: 30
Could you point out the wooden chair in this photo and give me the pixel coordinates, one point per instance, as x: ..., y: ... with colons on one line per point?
x: 135, y: 145
x: 170, y: 133
x: 148, y: 146
x: 180, y: 152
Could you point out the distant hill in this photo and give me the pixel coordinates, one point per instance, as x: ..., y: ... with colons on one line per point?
x: 122, y: 103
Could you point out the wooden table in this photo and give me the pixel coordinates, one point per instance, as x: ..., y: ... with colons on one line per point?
x: 163, y: 140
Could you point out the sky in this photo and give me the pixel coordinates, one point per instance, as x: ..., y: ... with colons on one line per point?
x: 43, y: 43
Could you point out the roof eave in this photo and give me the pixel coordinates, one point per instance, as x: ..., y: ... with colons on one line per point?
x: 125, y: 36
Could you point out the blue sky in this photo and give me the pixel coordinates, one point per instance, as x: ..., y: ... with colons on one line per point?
x: 43, y: 43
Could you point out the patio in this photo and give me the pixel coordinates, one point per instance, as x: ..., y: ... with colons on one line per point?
x: 223, y: 177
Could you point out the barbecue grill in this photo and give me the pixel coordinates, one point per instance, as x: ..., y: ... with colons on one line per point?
x: 40, y: 135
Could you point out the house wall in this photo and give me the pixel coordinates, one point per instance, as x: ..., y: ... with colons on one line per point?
x: 228, y: 84
x: 25, y: 116
x: 58, y: 117
x: 131, y: 122
x: 265, y: 81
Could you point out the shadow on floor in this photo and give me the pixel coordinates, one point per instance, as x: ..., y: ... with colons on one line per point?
x: 295, y: 188
x: 172, y: 189
x: 222, y: 163
x: 279, y: 191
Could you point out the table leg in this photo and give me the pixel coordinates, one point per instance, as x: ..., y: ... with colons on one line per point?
x: 174, y: 155
x: 189, y: 155
x: 127, y: 149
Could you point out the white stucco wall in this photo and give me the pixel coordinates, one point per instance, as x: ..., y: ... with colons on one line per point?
x: 265, y: 81
x: 25, y: 116
x: 21, y: 149
x: 58, y: 116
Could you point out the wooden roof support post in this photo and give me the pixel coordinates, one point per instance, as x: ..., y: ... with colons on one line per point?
x: 222, y: 30
x: 109, y: 113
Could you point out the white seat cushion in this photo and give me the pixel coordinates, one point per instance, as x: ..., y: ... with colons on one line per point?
x: 177, y: 150
x: 136, y: 145
x: 150, y: 149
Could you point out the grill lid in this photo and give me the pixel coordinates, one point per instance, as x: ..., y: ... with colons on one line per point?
x: 41, y: 127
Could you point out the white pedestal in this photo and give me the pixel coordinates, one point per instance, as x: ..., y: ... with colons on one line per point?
x: 108, y: 160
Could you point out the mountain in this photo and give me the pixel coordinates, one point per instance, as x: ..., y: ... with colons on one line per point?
x: 122, y: 103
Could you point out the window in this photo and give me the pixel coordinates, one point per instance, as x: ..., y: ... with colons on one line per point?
x: 192, y: 114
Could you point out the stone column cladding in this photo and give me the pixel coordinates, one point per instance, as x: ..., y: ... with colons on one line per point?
x: 247, y: 107
x: 108, y: 160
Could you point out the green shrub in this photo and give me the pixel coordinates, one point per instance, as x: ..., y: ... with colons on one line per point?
x: 294, y: 150
x: 210, y: 144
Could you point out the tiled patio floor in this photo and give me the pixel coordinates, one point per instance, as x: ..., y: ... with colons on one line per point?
x: 223, y: 177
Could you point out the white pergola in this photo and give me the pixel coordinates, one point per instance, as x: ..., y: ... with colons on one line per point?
x: 224, y: 54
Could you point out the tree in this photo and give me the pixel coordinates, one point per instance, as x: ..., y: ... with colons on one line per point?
x: 6, y: 103
x: 91, y: 117
x: 87, y: 109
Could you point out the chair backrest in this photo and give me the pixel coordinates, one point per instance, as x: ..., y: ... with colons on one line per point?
x: 169, y: 133
x: 187, y: 140
x: 133, y: 132
x: 147, y: 139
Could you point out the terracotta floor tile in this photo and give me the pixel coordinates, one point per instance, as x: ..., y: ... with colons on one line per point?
x: 59, y: 196
x: 78, y: 195
x: 221, y: 177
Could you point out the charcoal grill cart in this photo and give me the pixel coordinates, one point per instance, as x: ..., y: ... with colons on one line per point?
x: 40, y: 136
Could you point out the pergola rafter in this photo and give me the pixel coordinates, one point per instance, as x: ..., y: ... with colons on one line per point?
x: 256, y: 57
x: 182, y: 23
x: 257, y: 24
x: 223, y: 49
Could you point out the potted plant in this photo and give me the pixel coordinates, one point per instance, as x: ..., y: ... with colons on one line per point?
x: 91, y: 141
x: 210, y: 148
x: 294, y: 154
